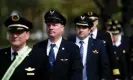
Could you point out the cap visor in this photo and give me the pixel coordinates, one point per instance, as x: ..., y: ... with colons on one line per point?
x: 16, y: 29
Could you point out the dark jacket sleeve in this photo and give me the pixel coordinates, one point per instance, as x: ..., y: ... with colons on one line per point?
x: 104, y: 63
x: 76, y: 63
x: 41, y: 61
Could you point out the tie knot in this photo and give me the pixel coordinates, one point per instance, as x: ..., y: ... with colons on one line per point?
x: 81, y: 42
x: 91, y: 35
x: 15, y: 53
x: 52, y: 45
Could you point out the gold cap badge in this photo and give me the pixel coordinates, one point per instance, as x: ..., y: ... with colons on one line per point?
x: 15, y: 18
x: 90, y: 13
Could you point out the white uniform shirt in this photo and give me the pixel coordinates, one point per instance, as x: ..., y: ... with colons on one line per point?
x: 56, y: 48
x: 118, y: 42
x: 94, y: 33
x: 19, y: 52
x: 85, y: 45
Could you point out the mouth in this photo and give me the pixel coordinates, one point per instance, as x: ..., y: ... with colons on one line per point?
x: 81, y: 33
x: 51, y: 32
x: 14, y: 40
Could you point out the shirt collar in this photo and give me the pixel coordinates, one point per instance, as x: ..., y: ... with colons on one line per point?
x: 19, y: 51
x: 119, y: 38
x: 94, y: 32
x: 118, y: 42
x: 58, y: 42
x: 84, y: 40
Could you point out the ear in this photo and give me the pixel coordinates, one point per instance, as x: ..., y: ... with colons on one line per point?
x: 27, y: 35
x: 7, y: 36
x: 91, y: 29
x: 62, y: 28
x: 96, y: 22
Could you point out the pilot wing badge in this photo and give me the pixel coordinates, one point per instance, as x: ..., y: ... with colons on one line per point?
x: 30, y: 71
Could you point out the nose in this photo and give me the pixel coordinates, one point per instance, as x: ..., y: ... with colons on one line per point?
x: 80, y: 29
x: 50, y: 26
x: 14, y: 35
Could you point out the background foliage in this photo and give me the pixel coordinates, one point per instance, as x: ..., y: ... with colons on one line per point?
x: 34, y: 11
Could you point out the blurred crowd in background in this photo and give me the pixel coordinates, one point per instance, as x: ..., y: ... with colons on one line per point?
x: 34, y: 11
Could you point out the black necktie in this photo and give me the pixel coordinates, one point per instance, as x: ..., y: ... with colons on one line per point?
x: 51, y: 55
x: 14, y: 54
x: 91, y: 35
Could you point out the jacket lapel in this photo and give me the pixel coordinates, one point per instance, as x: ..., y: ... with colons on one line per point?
x: 43, y: 47
x: 60, y: 51
x: 90, y: 43
x: 7, y: 57
x: 98, y: 34
x: 60, y: 55
x: 8, y: 54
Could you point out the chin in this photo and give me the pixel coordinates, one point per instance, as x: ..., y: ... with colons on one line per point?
x: 15, y: 44
x: 81, y: 36
x: 51, y: 35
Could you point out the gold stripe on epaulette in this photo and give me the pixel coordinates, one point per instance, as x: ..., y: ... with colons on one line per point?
x: 116, y: 72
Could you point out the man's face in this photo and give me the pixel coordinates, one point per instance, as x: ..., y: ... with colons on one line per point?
x: 115, y: 37
x: 95, y: 23
x: 18, y: 39
x: 54, y: 30
x: 82, y: 31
